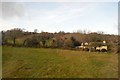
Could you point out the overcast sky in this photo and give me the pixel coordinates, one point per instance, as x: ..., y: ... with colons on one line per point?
x: 64, y: 16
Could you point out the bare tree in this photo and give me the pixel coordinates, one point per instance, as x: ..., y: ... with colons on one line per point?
x: 35, y: 30
x: 100, y: 32
x: 13, y: 34
x: 43, y: 37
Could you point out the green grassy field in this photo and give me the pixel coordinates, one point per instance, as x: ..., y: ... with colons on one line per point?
x: 57, y: 63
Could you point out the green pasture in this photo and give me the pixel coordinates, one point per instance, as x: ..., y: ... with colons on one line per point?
x: 57, y: 63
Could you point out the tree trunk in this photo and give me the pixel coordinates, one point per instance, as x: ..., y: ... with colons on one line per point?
x: 43, y: 43
x: 14, y: 41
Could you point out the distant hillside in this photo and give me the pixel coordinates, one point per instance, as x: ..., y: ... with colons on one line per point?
x: 17, y: 37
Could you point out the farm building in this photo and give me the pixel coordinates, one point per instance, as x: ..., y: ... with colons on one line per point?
x: 93, y: 46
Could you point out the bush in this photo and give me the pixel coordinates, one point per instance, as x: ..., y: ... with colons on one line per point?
x: 74, y: 42
x: 58, y: 43
x: 31, y: 43
x: 113, y: 47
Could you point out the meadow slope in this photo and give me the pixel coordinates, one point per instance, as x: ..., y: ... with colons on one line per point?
x: 57, y: 63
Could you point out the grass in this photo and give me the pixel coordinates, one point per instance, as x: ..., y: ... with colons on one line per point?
x: 57, y: 63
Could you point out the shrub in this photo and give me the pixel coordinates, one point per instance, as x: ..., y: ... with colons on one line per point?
x: 31, y: 42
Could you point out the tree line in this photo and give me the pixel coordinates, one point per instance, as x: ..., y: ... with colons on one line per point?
x: 61, y: 39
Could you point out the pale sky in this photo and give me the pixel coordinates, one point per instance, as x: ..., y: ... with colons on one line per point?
x: 60, y: 16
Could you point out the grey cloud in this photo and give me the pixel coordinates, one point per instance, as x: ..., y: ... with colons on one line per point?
x: 12, y: 9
